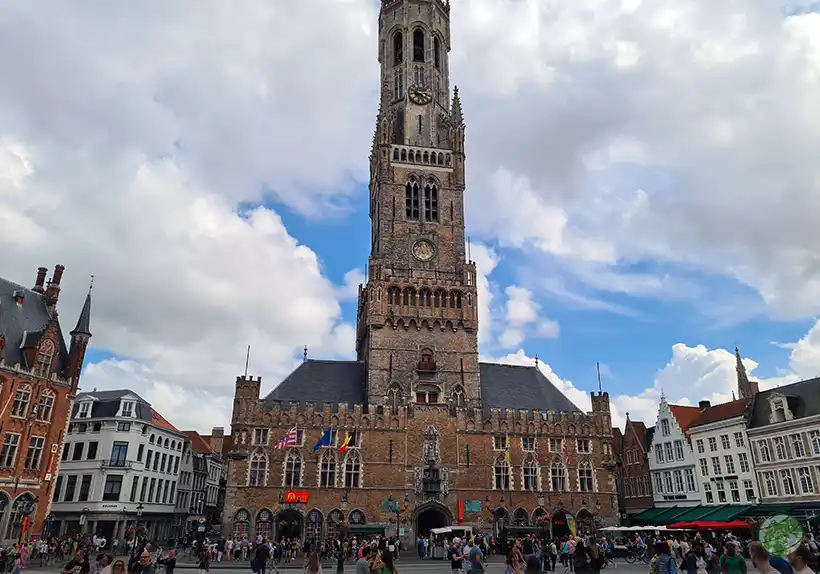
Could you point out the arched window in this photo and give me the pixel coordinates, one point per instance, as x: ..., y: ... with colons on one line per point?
x: 398, y: 42
x: 393, y: 296
x: 353, y: 470
x: 165, y: 443
x: 459, y: 400
x: 501, y: 474
x: 314, y: 525
x: 529, y: 474
x: 152, y: 439
x: 409, y: 296
x: 455, y: 300
x: 440, y: 299
x: 426, y: 362
x: 18, y: 513
x: 21, y: 400
x: 586, y: 481
x: 264, y: 521
x: 418, y: 45
x: 45, y: 406
x: 558, y: 477
x: 258, y: 469
x: 411, y: 199
x: 327, y: 470
x: 45, y: 356
x: 398, y: 84
x: 394, y: 400
x: 425, y: 298
x: 240, y: 524
x: 521, y: 517
x: 334, y: 521
x: 293, y: 470
x: 431, y: 201
x: 437, y: 52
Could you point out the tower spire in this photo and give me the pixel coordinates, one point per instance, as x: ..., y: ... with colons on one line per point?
x: 745, y: 387
x: 455, y: 112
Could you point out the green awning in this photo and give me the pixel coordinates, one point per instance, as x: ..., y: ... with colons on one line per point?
x: 725, y: 513
x: 647, y: 515
x: 367, y: 528
x: 670, y: 515
x: 765, y: 510
x: 696, y: 513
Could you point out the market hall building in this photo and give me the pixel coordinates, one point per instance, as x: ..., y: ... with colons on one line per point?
x: 437, y: 437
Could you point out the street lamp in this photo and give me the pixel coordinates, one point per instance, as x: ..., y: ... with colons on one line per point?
x: 394, y: 506
x: 140, y: 509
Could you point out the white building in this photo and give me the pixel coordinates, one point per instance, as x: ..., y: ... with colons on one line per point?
x: 120, y: 458
x: 207, y: 498
x: 784, y: 432
x: 671, y: 461
x: 725, y: 473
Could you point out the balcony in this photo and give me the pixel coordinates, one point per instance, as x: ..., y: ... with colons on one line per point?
x: 426, y: 366
x: 117, y: 464
x: 431, y: 485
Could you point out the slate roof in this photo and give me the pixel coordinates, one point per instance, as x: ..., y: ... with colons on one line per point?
x: 803, y: 398
x: 722, y: 412
x: 23, y: 326
x: 84, y: 320
x: 685, y: 415
x: 107, y: 405
x: 502, y: 386
x: 520, y: 387
x: 650, y: 434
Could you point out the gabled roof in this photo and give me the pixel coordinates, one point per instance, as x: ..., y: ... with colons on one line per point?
x: 803, y: 398
x: 685, y: 415
x: 106, y: 404
x: 198, y: 444
x: 638, y: 428
x: 722, y: 412
x: 160, y: 421
x: 24, y: 325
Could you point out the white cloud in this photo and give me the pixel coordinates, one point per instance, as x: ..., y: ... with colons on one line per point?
x: 523, y: 316
x: 486, y: 260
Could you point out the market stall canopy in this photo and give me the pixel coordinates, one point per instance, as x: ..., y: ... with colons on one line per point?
x: 710, y: 525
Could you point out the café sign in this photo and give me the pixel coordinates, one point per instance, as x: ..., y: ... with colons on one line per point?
x: 295, y: 496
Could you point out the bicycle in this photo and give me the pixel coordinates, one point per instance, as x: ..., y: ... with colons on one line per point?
x: 633, y: 556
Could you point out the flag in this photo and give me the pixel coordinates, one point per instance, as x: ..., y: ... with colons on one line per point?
x: 564, y: 451
x: 288, y: 440
x: 507, y: 451
x: 326, y: 440
x: 351, y: 438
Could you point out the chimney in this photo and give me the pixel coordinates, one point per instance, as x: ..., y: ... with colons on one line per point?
x: 19, y: 297
x: 703, y: 405
x: 53, y: 289
x: 40, y: 281
x: 218, y: 439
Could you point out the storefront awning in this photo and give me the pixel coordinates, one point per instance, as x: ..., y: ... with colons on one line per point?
x: 725, y: 513
x: 648, y: 515
x: 696, y: 513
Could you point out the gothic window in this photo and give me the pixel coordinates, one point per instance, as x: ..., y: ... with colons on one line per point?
x: 431, y: 201
x: 398, y: 83
x: 440, y: 299
x: 418, y: 45
x: 258, y: 469
x: 264, y: 521
x: 327, y: 470
x: 353, y: 470
x: 45, y: 406
x: 455, y: 300
x: 293, y: 470
x: 558, y: 475
x: 426, y: 363
x: 409, y: 296
x: 398, y: 41
x: 529, y: 472
x: 425, y: 298
x: 394, y: 400
x: 585, y: 479
x: 428, y: 397
x: 45, y: 356
x: 501, y: 474
x: 334, y: 519
x: 21, y: 399
x: 240, y: 524
x: 437, y: 52
x: 393, y: 296
x: 459, y: 400
x: 411, y: 199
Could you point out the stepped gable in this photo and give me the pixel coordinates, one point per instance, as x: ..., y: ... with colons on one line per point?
x: 520, y: 387
x: 685, y: 415
x: 320, y: 381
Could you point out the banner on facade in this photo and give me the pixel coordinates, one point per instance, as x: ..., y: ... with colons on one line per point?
x: 472, y: 506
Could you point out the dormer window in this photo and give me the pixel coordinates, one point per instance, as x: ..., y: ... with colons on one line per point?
x: 84, y: 411
x: 779, y: 409
x: 127, y: 409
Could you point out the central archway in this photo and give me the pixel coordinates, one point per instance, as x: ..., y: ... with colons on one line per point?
x: 288, y: 524
x: 429, y: 516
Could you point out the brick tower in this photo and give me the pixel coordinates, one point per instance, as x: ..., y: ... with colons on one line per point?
x: 417, y: 323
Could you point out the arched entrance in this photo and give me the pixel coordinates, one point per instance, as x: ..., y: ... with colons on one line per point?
x: 560, y: 524
x: 584, y: 522
x: 429, y: 516
x: 288, y: 524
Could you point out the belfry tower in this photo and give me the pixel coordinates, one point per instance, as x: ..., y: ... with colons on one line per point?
x: 417, y: 323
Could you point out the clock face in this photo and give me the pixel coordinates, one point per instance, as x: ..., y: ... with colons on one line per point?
x: 423, y: 250
x: 420, y: 94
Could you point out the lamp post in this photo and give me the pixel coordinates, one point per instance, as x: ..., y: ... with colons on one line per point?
x: 140, y: 509
x: 399, y: 510
x: 84, y: 518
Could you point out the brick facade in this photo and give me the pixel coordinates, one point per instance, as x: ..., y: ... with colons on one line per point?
x: 432, y: 422
x: 634, y: 479
x: 39, y: 377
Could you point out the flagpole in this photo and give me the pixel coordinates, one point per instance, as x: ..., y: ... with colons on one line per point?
x: 600, y: 387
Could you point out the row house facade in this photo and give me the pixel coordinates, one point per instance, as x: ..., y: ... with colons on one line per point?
x: 671, y: 460
x: 725, y: 467
x: 784, y: 435
x: 634, y: 476
x: 39, y: 378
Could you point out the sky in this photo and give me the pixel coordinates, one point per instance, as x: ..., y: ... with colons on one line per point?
x: 642, y: 187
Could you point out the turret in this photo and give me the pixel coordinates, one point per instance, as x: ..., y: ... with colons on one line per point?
x: 80, y: 336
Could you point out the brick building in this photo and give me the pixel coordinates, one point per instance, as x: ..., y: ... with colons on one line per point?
x: 39, y: 375
x: 437, y: 437
x: 634, y: 480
